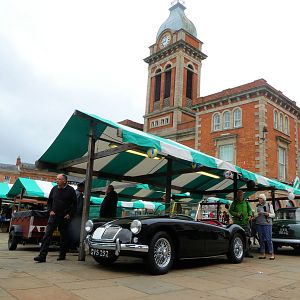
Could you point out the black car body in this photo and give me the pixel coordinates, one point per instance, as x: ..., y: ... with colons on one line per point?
x: 286, y: 228
x: 159, y: 240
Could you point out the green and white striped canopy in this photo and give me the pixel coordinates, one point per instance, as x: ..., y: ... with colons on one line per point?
x: 139, y: 204
x: 128, y: 191
x: 32, y: 188
x: 4, y: 189
x: 192, y: 171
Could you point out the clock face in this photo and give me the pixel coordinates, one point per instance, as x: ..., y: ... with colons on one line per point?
x: 165, y: 41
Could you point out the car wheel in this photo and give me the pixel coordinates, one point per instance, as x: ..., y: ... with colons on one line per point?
x: 12, y: 241
x: 105, y: 261
x: 161, y: 254
x: 237, y: 249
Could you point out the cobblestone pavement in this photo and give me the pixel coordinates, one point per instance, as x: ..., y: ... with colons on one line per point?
x: 22, y: 278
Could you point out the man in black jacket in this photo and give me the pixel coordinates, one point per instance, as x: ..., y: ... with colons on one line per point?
x: 61, y: 207
x: 109, y: 204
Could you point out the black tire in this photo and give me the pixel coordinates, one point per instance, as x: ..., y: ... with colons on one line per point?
x: 160, y: 257
x: 106, y: 261
x: 13, y: 241
x: 236, y: 249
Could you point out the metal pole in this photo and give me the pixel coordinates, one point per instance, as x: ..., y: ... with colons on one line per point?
x: 235, y: 188
x: 273, y: 198
x: 168, y: 185
x: 87, y: 191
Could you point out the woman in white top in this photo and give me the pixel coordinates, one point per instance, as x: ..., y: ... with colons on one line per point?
x: 263, y: 214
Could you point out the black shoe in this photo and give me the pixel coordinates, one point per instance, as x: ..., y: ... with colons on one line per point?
x: 248, y: 255
x: 61, y: 258
x: 40, y: 259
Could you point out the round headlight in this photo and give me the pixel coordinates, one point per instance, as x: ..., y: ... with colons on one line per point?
x: 136, y: 226
x: 89, y: 225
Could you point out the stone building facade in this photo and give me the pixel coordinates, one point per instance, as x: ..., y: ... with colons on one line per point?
x: 253, y: 125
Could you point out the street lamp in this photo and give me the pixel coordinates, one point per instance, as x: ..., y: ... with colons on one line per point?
x: 264, y: 132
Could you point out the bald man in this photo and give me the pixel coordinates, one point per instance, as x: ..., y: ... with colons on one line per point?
x: 61, y: 207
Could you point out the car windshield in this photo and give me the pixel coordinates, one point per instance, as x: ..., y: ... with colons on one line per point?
x: 194, y: 210
x: 285, y: 215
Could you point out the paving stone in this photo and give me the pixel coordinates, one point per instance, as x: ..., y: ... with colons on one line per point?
x: 236, y: 293
x: 117, y: 293
x: 47, y: 293
x: 153, y: 286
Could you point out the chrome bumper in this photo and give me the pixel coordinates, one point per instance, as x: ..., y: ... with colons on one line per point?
x: 285, y: 241
x: 117, y: 246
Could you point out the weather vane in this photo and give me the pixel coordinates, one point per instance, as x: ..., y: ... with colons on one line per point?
x: 178, y: 1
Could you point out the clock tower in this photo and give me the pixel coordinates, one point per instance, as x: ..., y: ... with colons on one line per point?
x: 174, y: 72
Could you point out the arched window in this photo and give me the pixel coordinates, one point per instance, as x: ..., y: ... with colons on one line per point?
x: 281, y: 122
x: 167, y: 82
x: 275, y: 119
x: 237, y: 118
x: 189, y: 82
x: 216, y: 122
x: 157, y: 85
x: 286, y: 125
x: 226, y: 120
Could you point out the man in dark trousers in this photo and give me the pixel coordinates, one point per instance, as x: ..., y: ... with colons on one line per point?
x: 61, y: 207
x: 109, y: 204
x: 75, y: 224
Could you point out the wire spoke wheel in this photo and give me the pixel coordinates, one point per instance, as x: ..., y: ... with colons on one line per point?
x: 162, y: 252
x: 238, y: 248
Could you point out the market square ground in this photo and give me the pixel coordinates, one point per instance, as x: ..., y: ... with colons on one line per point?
x: 22, y: 278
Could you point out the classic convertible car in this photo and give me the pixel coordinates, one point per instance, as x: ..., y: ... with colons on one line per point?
x: 286, y: 228
x: 161, y: 239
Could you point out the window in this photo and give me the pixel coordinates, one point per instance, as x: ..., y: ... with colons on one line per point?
x: 275, y: 119
x: 167, y: 82
x: 189, y: 82
x: 281, y: 163
x: 226, y: 120
x: 286, y: 125
x: 226, y: 153
x: 280, y: 122
x: 237, y: 118
x: 216, y: 122
x: 157, y: 85
x: 6, y: 178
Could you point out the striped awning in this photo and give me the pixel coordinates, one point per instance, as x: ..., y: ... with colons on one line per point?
x: 4, y: 189
x: 128, y: 155
x: 31, y: 188
x: 139, y: 204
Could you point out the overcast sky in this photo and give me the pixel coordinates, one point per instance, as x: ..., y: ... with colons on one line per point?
x: 57, y: 56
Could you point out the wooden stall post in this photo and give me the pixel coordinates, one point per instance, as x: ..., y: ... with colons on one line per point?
x: 87, y: 191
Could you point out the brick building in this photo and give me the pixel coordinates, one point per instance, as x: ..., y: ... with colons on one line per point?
x: 253, y: 125
x: 10, y: 173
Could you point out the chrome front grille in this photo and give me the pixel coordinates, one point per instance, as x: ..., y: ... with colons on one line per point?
x: 110, y: 233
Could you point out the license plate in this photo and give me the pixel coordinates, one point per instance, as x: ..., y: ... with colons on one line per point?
x: 99, y: 252
x: 283, y: 231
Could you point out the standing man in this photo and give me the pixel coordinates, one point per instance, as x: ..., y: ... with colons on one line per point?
x: 241, y: 213
x: 75, y: 224
x: 61, y: 207
x: 109, y: 204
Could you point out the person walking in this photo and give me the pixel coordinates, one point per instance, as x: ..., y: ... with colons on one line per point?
x: 109, y: 204
x: 61, y: 207
x: 241, y: 213
x: 264, y: 213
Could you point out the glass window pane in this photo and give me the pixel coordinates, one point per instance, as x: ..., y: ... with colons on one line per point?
x: 226, y: 118
x: 226, y: 153
x: 237, y: 121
